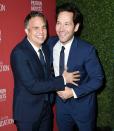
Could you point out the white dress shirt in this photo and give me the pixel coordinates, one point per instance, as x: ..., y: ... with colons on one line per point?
x: 56, y: 57
x: 36, y: 48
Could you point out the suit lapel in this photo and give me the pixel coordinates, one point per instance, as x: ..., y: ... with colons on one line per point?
x: 31, y: 52
x: 45, y: 54
x: 47, y: 58
x: 72, y: 55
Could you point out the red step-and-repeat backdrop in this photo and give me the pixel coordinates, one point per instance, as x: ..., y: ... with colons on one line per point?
x: 12, y: 14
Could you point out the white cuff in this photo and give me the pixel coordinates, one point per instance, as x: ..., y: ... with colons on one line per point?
x: 64, y: 80
x: 74, y: 94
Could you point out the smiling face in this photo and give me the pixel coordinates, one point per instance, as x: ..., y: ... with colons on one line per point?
x: 65, y: 27
x: 36, y: 30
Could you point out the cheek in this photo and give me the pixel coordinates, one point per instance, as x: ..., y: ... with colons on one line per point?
x: 57, y: 28
x: 45, y: 32
x: 31, y: 33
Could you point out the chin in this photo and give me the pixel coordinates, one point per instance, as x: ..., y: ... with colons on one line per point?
x: 62, y: 41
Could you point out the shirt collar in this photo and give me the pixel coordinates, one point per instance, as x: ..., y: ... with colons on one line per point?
x: 68, y: 45
x: 34, y: 47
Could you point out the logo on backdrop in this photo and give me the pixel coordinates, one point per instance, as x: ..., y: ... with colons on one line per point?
x: 4, y: 67
x: 36, y: 5
x: 2, y: 95
x: 6, y: 121
x: 2, y: 7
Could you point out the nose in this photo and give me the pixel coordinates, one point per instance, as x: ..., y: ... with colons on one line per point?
x: 41, y: 30
x: 62, y: 27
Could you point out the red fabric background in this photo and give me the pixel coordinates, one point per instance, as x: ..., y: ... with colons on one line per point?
x: 12, y: 14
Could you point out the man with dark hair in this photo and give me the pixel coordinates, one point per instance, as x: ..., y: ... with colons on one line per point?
x: 77, y: 104
x: 30, y: 62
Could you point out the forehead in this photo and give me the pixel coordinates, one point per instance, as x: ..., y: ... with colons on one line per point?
x: 37, y: 21
x: 65, y: 16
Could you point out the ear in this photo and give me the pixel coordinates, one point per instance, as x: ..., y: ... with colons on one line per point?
x: 26, y: 31
x: 76, y: 27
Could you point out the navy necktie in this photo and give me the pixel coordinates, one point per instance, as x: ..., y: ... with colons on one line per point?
x: 61, y: 61
x: 42, y: 60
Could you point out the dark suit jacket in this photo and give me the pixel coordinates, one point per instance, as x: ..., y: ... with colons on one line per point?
x: 30, y: 86
x: 83, y: 58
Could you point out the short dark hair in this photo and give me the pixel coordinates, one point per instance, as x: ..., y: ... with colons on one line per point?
x: 33, y: 14
x: 77, y: 15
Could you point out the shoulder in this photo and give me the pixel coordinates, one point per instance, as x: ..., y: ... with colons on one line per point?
x: 52, y: 40
x: 85, y: 48
x: 19, y: 48
x: 84, y: 43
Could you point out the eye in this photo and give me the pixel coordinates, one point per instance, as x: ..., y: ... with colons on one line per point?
x: 44, y: 27
x: 35, y: 28
x: 58, y: 23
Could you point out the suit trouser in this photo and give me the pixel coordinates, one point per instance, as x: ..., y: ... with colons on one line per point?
x: 67, y: 120
x: 67, y: 123
x: 44, y: 124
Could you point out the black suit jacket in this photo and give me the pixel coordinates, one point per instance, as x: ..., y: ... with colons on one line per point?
x: 30, y: 86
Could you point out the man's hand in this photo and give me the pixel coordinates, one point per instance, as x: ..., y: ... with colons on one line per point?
x: 66, y: 94
x: 71, y: 77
